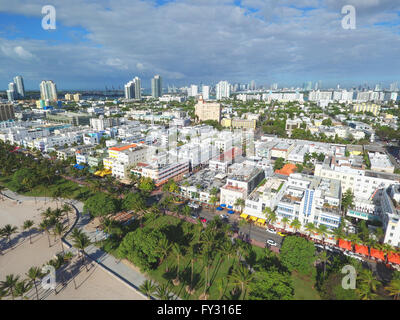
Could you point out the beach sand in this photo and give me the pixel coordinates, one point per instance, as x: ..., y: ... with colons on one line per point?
x: 93, y: 285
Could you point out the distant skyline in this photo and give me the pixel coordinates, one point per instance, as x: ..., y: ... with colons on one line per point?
x: 199, y: 41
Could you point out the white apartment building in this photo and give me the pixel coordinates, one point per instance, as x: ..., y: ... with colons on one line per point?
x: 363, y: 183
x: 391, y: 215
x: 241, y: 181
x: 311, y: 200
x: 223, y: 90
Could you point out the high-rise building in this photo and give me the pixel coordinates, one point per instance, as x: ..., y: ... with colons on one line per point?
x: 394, y: 86
x: 206, y: 92
x: 194, y: 90
x: 6, y: 112
x: 252, y: 85
x: 138, y: 88
x: 156, y: 86
x: 223, y: 90
x: 130, y: 90
x: 12, y: 93
x: 19, y: 82
x: 48, y: 90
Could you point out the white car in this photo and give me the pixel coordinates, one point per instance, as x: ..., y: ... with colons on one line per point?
x: 271, y: 242
x: 319, y: 246
x: 224, y: 216
x: 270, y: 230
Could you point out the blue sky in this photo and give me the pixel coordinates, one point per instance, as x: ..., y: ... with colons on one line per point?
x: 103, y: 43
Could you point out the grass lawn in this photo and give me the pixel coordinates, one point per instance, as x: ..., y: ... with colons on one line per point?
x: 303, y: 289
x: 70, y: 189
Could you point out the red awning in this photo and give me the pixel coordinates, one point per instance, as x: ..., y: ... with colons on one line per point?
x: 377, y: 254
x: 394, y: 258
x: 362, y: 249
x: 345, y: 244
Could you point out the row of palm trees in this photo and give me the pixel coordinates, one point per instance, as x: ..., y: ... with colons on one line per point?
x: 13, y: 287
x: 204, y: 246
x: 324, y: 232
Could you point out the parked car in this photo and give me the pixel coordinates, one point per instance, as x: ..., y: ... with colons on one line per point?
x: 270, y: 230
x: 194, y: 216
x: 319, y: 246
x: 271, y: 242
x: 282, y: 234
x: 224, y: 216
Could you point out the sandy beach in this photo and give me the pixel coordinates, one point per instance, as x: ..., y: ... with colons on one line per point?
x: 92, y: 285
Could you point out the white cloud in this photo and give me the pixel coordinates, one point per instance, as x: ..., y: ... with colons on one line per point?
x: 209, y: 40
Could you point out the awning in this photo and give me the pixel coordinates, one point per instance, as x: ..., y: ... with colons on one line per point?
x: 253, y: 218
x: 394, y: 258
x: 230, y: 207
x: 345, y: 244
x: 219, y: 209
x: 223, y: 205
x: 262, y: 221
x: 377, y: 254
x: 231, y: 212
x: 361, y: 249
x: 244, y: 216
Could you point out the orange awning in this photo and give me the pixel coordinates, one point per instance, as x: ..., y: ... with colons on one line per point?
x: 345, y: 244
x: 362, y: 249
x: 394, y: 258
x: 377, y: 254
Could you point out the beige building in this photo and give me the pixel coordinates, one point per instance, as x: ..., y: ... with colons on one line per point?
x: 367, y: 107
x: 239, y: 123
x: 208, y: 111
x: 6, y: 112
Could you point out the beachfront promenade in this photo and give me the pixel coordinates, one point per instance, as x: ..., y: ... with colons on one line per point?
x: 118, y: 269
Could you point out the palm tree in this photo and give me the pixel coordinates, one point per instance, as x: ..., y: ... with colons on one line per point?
x: 310, y: 227
x: 285, y: 220
x: 367, y: 278
x: 9, y: 285
x: 162, y: 292
x: 59, y: 230
x: 67, y: 209
x: 272, y: 218
x: 323, y: 231
x: 213, y: 201
x: 8, y: 231
x: 28, y: 224
x: 365, y: 292
x: 163, y: 249
x: 45, y: 226
x: 192, y: 257
x: 34, y: 273
x: 21, y: 288
x: 178, y: 253
x: 394, y: 288
x: 323, y: 257
x: 242, y: 277
x: 81, y: 242
x: 296, y: 225
x: 147, y: 288
x: 240, y: 203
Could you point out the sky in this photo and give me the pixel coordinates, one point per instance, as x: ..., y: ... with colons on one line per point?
x: 109, y: 42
